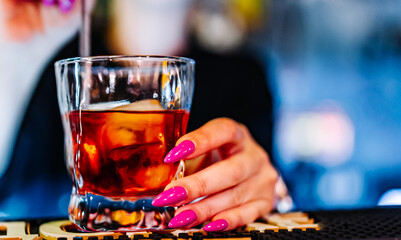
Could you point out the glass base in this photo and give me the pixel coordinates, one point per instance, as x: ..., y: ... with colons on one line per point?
x: 92, y: 212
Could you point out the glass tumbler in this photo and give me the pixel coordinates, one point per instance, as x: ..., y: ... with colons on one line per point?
x: 121, y: 116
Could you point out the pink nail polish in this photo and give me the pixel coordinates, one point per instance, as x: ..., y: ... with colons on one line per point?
x: 183, y: 219
x: 66, y: 5
x: 216, y: 226
x: 180, y: 151
x: 49, y: 2
x: 170, y: 196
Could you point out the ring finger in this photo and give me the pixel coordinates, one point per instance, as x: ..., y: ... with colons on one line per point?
x: 198, y: 212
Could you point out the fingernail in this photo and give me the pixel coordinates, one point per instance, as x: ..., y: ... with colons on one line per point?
x: 216, y: 226
x: 169, y: 197
x: 180, y: 151
x: 66, y: 5
x: 183, y: 219
x: 49, y: 2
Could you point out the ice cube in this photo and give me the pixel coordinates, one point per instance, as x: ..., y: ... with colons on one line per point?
x: 142, y: 165
x: 154, y: 176
x: 139, y: 123
x: 106, y: 105
x: 143, y: 105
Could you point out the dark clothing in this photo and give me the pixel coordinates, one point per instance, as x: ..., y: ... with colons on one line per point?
x: 232, y: 86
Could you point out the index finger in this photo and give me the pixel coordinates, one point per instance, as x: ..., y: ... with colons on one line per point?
x: 212, y: 135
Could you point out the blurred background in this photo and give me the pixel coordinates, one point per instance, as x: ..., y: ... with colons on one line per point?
x: 336, y: 80
x: 332, y: 68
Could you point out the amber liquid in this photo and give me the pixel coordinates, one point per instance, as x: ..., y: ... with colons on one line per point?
x: 120, y: 153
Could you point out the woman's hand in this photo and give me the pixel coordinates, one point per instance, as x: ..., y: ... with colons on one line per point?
x: 237, y: 190
x: 22, y: 19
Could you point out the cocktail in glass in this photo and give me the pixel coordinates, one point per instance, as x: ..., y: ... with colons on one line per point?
x: 121, y: 116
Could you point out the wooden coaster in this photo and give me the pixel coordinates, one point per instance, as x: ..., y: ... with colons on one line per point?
x: 293, y: 220
x: 57, y: 229
x: 54, y: 230
x: 16, y: 231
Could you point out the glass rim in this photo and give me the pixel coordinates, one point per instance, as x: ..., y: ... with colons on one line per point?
x: 157, y: 58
